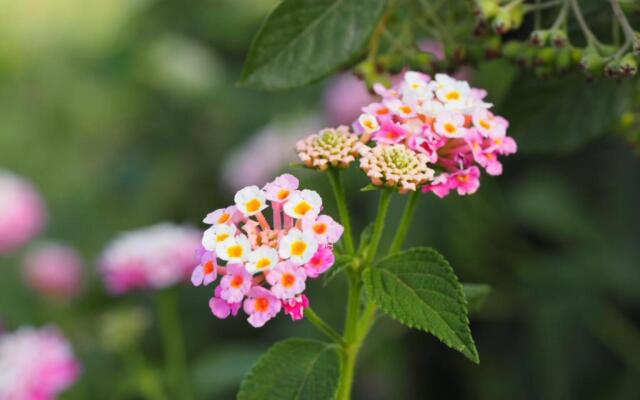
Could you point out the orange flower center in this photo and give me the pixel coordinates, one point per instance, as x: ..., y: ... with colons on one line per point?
x: 463, y: 178
x: 383, y: 111
x: 449, y: 127
x: 485, y: 124
x: 253, y: 205
x: 288, y: 280
x: 283, y: 194
x: 405, y: 109
x: 302, y: 208
x: 298, y: 248
x: 262, y: 304
x: 222, y: 237
x: 237, y: 281
x: 224, y: 218
x: 320, y: 228
x: 208, y: 267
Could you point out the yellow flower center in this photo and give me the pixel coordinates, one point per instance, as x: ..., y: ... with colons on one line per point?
x: 298, y: 248
x: 235, y: 251
x: 263, y: 263
x: 302, y: 208
x: 454, y: 95
x: 253, y: 205
x: 221, y: 237
x: 224, y: 218
x: 485, y: 124
x: 405, y: 109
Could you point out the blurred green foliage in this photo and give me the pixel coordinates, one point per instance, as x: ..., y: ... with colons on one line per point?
x: 123, y: 112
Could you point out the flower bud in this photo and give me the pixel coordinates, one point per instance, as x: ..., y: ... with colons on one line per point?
x: 492, y: 47
x: 564, y: 59
x: 558, y: 38
x: 488, y: 8
x: 612, y: 69
x: 517, y: 16
x: 543, y: 71
x: 512, y: 49
x: 545, y: 55
x: 539, y: 37
x: 628, y: 65
x: 503, y: 22
x: 592, y: 62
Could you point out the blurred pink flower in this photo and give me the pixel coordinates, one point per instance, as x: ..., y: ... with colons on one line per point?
x: 22, y: 212
x: 155, y: 257
x: 344, y: 98
x: 294, y: 307
x: 437, y: 49
x: 272, y: 146
x: 36, y: 364
x: 55, y: 270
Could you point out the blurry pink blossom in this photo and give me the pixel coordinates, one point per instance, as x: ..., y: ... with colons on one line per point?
x: 22, y: 212
x: 155, y: 257
x: 344, y: 98
x: 272, y: 146
x: 36, y: 364
x: 54, y: 270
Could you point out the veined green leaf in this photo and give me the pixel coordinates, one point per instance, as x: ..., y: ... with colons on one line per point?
x: 418, y: 288
x: 294, y: 369
x: 303, y: 41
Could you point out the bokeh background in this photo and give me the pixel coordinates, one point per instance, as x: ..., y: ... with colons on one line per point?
x: 125, y: 113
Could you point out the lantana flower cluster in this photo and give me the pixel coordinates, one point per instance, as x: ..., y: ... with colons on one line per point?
x: 54, y: 270
x: 156, y: 257
x: 430, y: 134
x: 263, y: 267
x: 36, y: 364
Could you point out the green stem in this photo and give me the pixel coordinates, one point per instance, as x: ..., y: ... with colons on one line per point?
x: 352, y: 342
x: 353, y: 337
x: 338, y: 192
x: 405, y: 222
x: 383, y: 207
x: 622, y: 19
x: 322, y: 326
x: 173, y: 341
x: 582, y: 23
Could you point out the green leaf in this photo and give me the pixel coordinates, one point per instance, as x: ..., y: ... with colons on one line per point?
x: 560, y: 114
x: 342, y: 261
x: 476, y: 295
x: 419, y: 288
x: 303, y: 41
x: 294, y: 369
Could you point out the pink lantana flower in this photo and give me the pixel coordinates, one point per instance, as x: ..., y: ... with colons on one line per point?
x: 324, y: 228
x: 287, y: 280
x: 55, y: 270
x: 207, y: 271
x: 389, y: 132
x: 320, y: 262
x: 252, y: 253
x: 465, y: 181
x: 235, y: 284
x: 222, y: 308
x: 227, y: 215
x: 295, y: 306
x: 261, y: 306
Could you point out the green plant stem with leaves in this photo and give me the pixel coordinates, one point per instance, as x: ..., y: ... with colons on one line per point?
x: 357, y: 324
x: 173, y: 342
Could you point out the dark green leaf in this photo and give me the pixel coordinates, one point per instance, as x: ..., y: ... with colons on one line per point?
x: 294, y: 369
x: 476, y: 294
x: 419, y: 288
x: 303, y: 41
x: 560, y: 114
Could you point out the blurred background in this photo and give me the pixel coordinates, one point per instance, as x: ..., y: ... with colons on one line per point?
x: 126, y: 113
